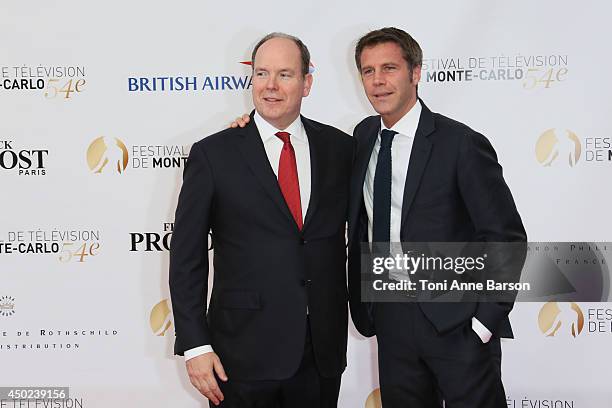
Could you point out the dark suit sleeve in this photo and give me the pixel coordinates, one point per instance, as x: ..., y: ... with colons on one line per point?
x: 353, y: 156
x: 491, y: 208
x: 189, y: 253
x: 361, y: 312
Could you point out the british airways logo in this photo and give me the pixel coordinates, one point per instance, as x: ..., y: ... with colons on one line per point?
x: 194, y: 83
x: 190, y: 83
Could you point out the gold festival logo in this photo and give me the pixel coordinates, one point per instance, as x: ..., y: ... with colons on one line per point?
x: 561, y: 319
x: 107, y: 153
x: 160, y: 318
x: 551, y: 146
x: 373, y: 400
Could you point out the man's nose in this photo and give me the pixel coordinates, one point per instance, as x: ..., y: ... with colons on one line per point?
x: 379, y: 78
x: 272, y: 82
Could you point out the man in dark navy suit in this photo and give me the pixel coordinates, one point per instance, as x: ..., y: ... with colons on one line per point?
x: 275, y: 196
x: 422, y: 177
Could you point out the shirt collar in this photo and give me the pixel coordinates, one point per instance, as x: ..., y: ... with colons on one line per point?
x: 408, y: 124
x: 267, y: 131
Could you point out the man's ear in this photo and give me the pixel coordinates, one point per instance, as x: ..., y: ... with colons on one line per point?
x: 416, y: 74
x: 307, y: 84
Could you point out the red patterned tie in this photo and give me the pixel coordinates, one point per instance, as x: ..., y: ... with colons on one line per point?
x: 288, y: 178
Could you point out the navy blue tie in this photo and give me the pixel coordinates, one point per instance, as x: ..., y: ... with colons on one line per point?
x: 381, y: 223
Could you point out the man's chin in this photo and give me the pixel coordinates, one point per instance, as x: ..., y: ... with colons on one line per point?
x: 274, y: 118
x: 269, y: 116
x: 381, y: 110
x: 380, y: 107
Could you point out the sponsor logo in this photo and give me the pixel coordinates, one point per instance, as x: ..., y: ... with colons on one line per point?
x: 110, y: 155
x: 23, y: 161
x: 531, y: 71
x: 54, y: 82
x: 67, y: 245
x: 160, y: 318
x: 374, y: 400
x: 558, y: 146
x: 561, y: 319
x: 156, y: 241
x: 107, y: 153
x: 7, y: 306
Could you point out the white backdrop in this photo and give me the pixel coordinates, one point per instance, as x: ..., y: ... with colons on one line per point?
x: 87, y: 308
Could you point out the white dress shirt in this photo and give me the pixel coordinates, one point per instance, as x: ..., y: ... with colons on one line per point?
x: 299, y: 141
x: 400, y: 156
x: 273, y: 146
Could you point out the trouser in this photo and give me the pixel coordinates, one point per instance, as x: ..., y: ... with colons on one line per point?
x: 418, y: 366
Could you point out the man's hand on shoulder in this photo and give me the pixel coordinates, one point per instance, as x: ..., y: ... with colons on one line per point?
x: 241, y: 121
x: 201, y: 370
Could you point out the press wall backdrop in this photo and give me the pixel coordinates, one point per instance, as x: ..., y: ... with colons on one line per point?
x: 100, y: 103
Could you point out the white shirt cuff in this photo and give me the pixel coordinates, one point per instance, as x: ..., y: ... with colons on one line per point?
x: 480, y: 329
x: 198, y: 351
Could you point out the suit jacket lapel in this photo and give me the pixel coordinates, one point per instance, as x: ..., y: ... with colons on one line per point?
x: 254, y: 153
x: 316, y: 145
x: 421, y: 149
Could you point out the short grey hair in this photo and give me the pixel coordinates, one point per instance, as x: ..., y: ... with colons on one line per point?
x: 304, y: 53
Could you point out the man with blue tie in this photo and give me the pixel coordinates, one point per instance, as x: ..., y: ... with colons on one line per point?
x: 422, y: 177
